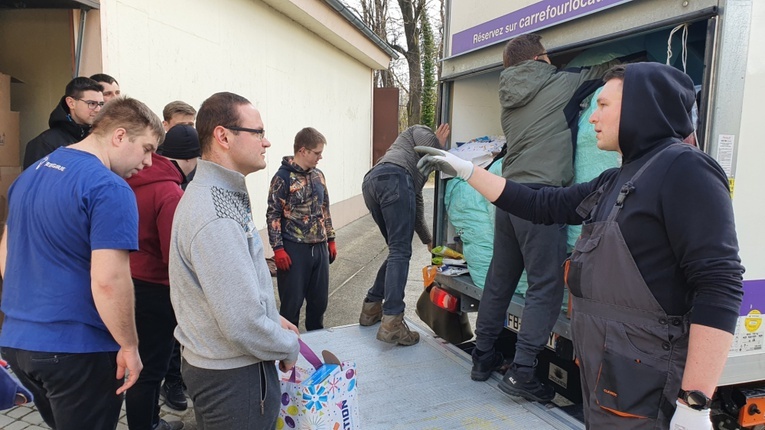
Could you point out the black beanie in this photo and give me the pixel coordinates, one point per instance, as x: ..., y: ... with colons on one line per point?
x: 181, y: 142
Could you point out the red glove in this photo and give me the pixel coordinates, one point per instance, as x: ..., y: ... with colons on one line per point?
x: 332, y: 251
x: 282, y: 259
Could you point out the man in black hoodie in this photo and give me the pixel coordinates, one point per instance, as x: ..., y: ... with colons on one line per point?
x: 70, y: 121
x: 655, y: 278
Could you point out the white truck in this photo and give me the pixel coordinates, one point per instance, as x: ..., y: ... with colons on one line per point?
x: 720, y: 45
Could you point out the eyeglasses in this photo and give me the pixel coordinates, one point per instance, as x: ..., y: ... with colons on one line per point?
x: 260, y: 133
x: 92, y: 104
x: 316, y: 153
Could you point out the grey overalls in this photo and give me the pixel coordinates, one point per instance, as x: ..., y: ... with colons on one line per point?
x: 631, y: 353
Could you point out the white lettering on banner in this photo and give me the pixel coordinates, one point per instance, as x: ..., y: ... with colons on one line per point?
x: 537, y: 16
x: 514, y: 324
x: 488, y: 35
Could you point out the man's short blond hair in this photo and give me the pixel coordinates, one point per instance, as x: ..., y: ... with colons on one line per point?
x: 177, y: 107
x: 132, y: 115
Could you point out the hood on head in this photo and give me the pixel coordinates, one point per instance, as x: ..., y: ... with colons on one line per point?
x: 656, y: 108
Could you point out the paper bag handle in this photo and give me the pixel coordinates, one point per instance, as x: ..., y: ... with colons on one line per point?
x: 310, y: 356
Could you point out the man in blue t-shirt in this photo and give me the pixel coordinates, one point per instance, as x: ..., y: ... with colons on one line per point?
x: 69, y: 332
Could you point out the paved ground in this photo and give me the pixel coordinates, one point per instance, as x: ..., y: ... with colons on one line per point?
x: 361, y: 250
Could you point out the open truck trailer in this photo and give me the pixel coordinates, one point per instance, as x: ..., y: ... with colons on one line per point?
x: 720, y: 44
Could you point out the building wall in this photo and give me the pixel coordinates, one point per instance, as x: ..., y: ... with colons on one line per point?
x: 190, y: 49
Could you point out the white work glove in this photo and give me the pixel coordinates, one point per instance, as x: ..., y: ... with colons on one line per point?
x: 444, y: 161
x: 687, y: 418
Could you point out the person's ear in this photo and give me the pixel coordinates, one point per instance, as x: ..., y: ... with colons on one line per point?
x: 70, y: 102
x: 119, y: 135
x: 220, y: 136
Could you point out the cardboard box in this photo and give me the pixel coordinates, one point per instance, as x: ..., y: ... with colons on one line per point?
x: 9, y: 139
x: 5, y: 92
x: 7, y: 176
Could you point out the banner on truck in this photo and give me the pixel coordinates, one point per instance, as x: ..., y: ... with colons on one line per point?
x: 529, y: 19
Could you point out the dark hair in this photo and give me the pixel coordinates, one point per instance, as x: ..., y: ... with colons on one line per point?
x: 616, y: 72
x: 130, y: 114
x: 77, y: 86
x: 176, y: 107
x: 308, y: 138
x: 522, y: 48
x: 218, y: 109
x: 103, y: 77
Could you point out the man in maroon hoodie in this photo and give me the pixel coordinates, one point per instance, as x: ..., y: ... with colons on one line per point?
x: 157, y: 191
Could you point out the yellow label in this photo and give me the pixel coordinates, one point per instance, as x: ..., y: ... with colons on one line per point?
x: 753, y: 321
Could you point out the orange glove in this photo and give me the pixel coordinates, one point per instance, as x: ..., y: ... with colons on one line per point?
x: 332, y: 251
x: 282, y: 259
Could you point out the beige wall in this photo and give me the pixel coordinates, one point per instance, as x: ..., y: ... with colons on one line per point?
x: 188, y: 50
x: 35, y: 47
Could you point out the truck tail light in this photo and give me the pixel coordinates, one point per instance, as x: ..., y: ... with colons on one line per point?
x: 444, y: 300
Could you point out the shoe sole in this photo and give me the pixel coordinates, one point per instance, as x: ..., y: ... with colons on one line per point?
x: 170, y: 405
x: 512, y: 391
x: 367, y: 323
x: 480, y: 376
x: 397, y: 341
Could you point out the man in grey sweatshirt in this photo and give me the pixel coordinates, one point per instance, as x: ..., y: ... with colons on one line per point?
x: 228, y: 324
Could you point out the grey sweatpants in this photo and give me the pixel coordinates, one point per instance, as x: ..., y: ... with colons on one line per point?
x: 542, y: 250
x: 233, y: 398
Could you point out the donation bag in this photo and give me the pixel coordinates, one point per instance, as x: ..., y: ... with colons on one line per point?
x: 324, y: 397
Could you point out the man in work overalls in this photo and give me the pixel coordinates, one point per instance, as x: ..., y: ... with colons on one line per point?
x: 656, y: 278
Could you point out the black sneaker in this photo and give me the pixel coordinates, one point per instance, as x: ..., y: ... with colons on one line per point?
x: 172, y: 425
x: 483, y: 367
x: 174, y: 397
x: 520, y: 381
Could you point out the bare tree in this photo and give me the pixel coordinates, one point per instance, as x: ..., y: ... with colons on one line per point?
x: 410, y: 12
x: 375, y: 14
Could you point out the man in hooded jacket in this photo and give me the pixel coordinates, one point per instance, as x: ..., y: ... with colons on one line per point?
x: 70, y: 121
x: 157, y: 191
x: 656, y: 279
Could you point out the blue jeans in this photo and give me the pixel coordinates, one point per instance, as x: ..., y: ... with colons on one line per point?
x: 389, y: 195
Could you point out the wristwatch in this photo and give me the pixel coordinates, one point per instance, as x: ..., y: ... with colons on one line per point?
x: 695, y: 399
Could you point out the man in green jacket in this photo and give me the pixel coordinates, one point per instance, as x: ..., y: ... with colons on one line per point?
x: 534, y: 95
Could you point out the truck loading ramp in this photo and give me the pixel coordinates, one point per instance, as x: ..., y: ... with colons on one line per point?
x: 428, y: 385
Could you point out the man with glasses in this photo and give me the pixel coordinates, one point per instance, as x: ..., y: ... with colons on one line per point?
x: 535, y: 97
x: 222, y: 293
x: 70, y: 121
x: 300, y: 231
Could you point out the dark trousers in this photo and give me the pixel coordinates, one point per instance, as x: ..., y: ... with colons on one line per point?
x: 246, y: 398
x: 155, y: 321
x: 389, y: 195
x: 307, y: 279
x: 173, y: 375
x: 542, y: 250
x: 72, y: 391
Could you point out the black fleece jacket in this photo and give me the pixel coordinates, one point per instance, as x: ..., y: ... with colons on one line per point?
x: 678, y: 223
x: 63, y: 131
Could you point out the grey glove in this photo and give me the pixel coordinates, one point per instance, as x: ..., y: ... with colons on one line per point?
x: 444, y: 161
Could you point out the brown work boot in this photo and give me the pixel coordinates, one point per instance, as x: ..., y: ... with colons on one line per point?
x: 394, y: 330
x: 371, y: 313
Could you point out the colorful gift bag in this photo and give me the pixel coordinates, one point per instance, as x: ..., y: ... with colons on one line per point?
x: 325, y: 397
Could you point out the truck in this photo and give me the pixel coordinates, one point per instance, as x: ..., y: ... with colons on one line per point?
x: 717, y: 43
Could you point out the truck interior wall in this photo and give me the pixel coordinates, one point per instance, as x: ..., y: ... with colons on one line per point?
x: 35, y: 48
x: 476, y: 109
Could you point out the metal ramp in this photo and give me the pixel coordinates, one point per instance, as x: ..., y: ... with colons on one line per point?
x: 428, y: 386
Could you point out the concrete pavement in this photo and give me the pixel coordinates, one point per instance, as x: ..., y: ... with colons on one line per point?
x: 361, y: 251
